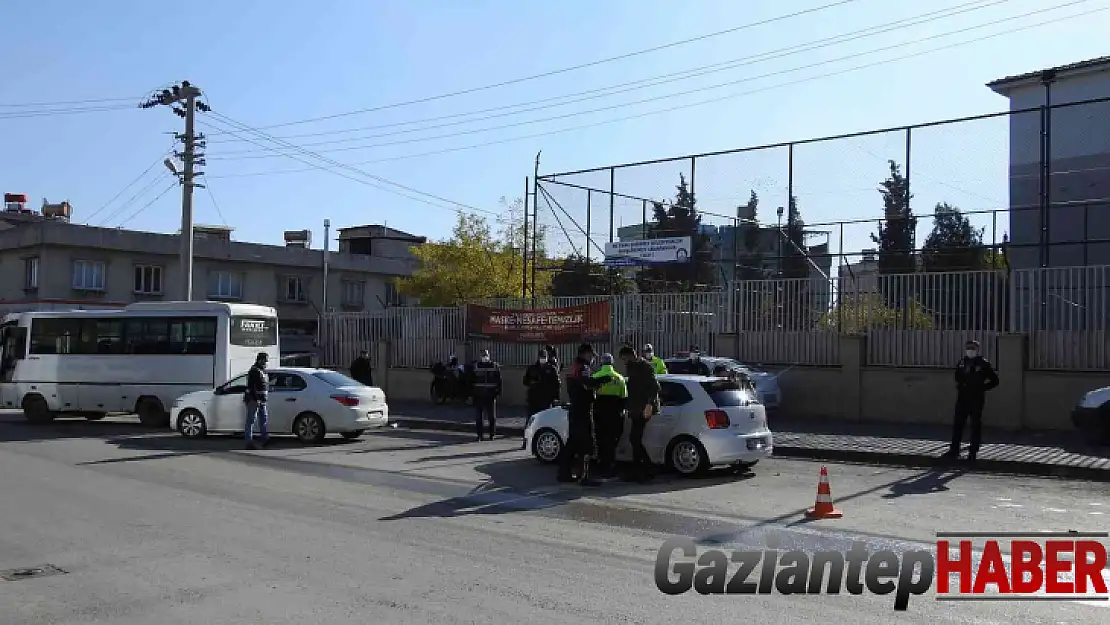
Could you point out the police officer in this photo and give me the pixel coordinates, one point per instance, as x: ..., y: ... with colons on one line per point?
x: 487, y: 388
x: 642, y: 403
x: 656, y: 362
x: 362, y: 370
x: 698, y: 365
x: 542, y: 382
x: 974, y: 377
x: 580, y: 447
x: 609, y: 415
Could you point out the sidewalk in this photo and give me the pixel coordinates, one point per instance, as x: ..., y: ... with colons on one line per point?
x: 1057, y: 454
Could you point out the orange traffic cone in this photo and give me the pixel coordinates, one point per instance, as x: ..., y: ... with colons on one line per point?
x: 823, y: 508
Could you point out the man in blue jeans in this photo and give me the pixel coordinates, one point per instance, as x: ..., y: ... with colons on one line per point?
x: 255, y: 399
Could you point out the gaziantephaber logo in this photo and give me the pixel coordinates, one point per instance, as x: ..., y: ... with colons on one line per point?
x: 1068, y: 566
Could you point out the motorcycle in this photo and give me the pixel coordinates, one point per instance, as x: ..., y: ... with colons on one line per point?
x: 449, y: 384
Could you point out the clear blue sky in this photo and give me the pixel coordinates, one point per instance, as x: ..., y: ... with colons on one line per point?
x: 264, y: 63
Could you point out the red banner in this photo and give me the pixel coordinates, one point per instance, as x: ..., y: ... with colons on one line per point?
x: 569, y: 324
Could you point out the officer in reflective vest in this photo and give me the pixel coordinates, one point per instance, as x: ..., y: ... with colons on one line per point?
x: 657, y: 363
x: 609, y: 415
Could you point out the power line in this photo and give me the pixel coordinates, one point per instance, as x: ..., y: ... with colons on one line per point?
x: 653, y: 81
x: 68, y: 102
x: 334, y: 163
x: 122, y: 207
x: 252, y: 154
x: 215, y: 204
x: 565, y: 70
x: 148, y: 204
x: 115, y: 197
x: 685, y: 106
x: 66, y: 111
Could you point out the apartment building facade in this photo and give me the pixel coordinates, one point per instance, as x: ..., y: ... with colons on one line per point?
x: 49, y: 263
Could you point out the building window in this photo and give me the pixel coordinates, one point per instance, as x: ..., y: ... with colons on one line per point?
x: 148, y: 279
x: 88, y: 275
x: 31, y: 273
x: 392, y: 296
x: 354, y: 293
x: 225, y: 285
x: 293, y: 289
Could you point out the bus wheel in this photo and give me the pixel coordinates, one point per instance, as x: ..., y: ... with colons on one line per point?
x: 151, y: 413
x: 36, y: 410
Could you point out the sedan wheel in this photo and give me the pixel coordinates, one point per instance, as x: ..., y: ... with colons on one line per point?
x: 191, y: 424
x: 688, y: 457
x: 309, y: 428
x: 547, y: 445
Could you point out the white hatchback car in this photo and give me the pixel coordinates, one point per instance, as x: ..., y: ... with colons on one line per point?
x: 703, y: 422
x: 308, y: 403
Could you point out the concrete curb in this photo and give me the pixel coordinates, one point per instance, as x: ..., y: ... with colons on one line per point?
x: 900, y: 459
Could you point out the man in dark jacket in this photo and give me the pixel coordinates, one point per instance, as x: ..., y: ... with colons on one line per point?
x: 642, y: 404
x: 974, y: 377
x: 543, y: 385
x: 487, y: 388
x: 580, y: 447
x: 361, y: 369
x: 255, y: 399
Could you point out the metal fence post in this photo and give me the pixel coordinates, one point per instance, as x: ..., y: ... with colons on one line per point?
x: 612, y: 211
x: 697, y: 235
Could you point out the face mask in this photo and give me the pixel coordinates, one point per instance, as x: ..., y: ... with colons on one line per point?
x: 971, y: 353
x: 543, y: 361
x: 485, y: 358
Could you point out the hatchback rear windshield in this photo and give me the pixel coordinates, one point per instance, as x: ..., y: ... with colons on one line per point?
x: 726, y: 393
x: 335, y: 379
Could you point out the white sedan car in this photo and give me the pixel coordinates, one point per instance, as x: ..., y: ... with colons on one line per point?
x: 308, y: 403
x: 766, y: 383
x: 704, y: 422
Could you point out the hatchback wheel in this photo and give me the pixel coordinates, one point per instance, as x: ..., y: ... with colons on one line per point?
x: 546, y: 445
x: 191, y: 424
x: 309, y: 428
x: 688, y: 457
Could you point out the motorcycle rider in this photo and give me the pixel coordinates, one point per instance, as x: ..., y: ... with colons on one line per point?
x: 580, y: 447
x: 487, y: 388
x: 542, y: 382
x: 657, y: 364
x: 609, y: 415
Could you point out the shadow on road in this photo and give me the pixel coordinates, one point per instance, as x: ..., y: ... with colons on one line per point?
x: 930, y: 482
x: 523, y: 484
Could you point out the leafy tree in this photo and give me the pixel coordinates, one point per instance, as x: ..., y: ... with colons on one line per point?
x: 749, y: 260
x: 476, y: 262
x: 953, y: 244
x: 574, y: 276
x: 896, y: 237
x: 679, y: 219
x: 868, y: 311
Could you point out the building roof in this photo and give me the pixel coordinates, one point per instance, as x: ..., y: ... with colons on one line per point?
x: 381, y: 231
x: 1003, y: 85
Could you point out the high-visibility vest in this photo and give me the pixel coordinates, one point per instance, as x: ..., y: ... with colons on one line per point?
x: 617, y: 387
x: 658, y: 365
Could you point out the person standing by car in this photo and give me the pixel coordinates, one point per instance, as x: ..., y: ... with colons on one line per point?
x: 553, y: 357
x: 609, y: 415
x: 657, y: 364
x: 362, y: 370
x: 487, y: 388
x: 543, y: 385
x: 974, y: 377
x: 642, y: 403
x: 581, y: 446
x: 697, y: 365
x: 255, y: 399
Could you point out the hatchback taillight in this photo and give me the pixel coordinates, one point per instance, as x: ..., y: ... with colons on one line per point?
x: 346, y: 400
x: 716, y: 419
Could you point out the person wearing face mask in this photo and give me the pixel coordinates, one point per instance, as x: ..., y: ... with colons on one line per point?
x: 657, y: 364
x: 580, y: 447
x: 642, y: 404
x: 609, y: 415
x: 487, y: 388
x: 699, y: 366
x: 974, y: 377
x: 542, y: 382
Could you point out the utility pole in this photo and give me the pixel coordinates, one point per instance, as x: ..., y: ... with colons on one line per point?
x: 183, y: 100
x: 327, y: 242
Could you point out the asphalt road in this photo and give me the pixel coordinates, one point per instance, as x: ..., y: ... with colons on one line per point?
x: 417, y: 527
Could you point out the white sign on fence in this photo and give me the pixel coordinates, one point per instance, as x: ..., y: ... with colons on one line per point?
x: 648, y: 252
